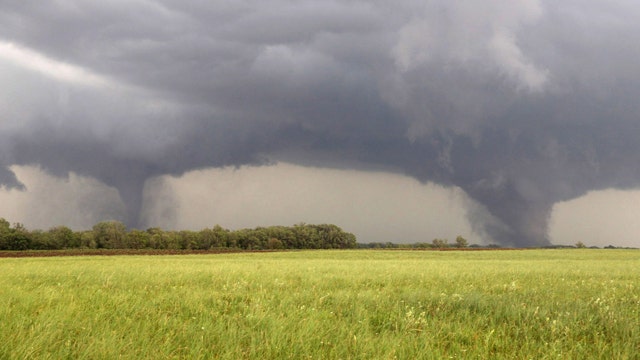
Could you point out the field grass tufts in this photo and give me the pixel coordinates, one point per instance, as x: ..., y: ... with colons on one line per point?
x: 354, y: 304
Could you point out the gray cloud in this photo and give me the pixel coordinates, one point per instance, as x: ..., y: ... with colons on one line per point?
x: 520, y: 104
x: 74, y: 201
x: 376, y: 206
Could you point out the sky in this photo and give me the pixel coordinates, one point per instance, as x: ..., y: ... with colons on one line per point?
x: 506, y: 122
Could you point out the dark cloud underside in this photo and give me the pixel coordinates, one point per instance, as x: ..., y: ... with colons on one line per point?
x: 520, y: 104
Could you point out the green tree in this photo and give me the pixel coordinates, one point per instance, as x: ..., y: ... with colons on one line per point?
x: 4, y: 225
x: 5, y: 231
x: 16, y: 238
x: 461, y: 242
x: 88, y: 240
x: 109, y: 234
x: 61, y: 237
x: 137, y: 239
x: 440, y: 243
x: 222, y: 238
x: 306, y: 237
x: 216, y: 237
x: 189, y: 240
x: 274, y: 243
x: 282, y: 233
x: 172, y: 240
x: 19, y: 241
x: 39, y: 240
x: 156, y: 238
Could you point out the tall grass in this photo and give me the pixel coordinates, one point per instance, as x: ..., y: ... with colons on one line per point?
x: 533, y: 304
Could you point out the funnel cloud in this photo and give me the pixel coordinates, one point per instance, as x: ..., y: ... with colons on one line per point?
x: 522, y: 105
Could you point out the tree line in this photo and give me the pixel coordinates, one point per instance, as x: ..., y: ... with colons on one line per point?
x: 436, y: 243
x: 115, y: 235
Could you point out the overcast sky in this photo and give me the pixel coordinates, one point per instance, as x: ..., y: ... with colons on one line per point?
x: 512, y: 122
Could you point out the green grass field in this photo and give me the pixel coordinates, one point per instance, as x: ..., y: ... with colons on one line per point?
x: 347, y: 304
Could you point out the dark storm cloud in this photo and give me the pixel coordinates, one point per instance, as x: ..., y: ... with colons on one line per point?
x: 8, y: 178
x: 521, y: 104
